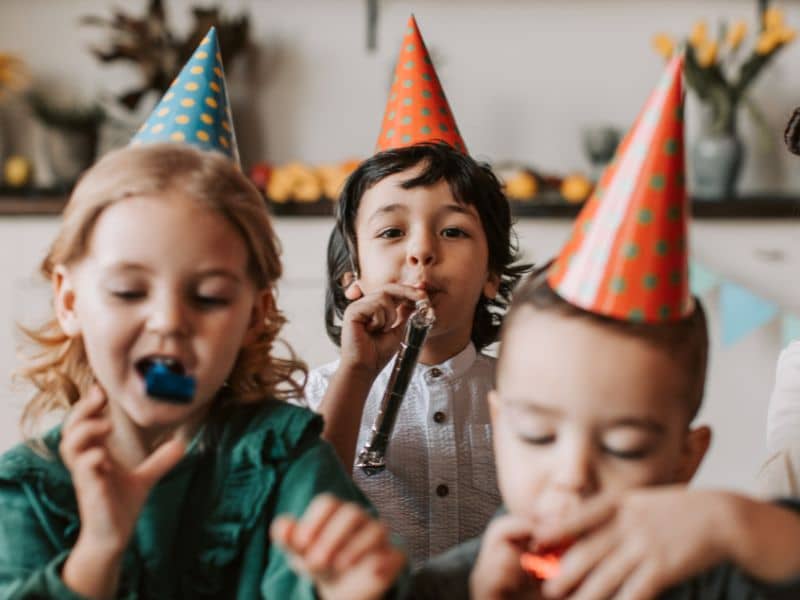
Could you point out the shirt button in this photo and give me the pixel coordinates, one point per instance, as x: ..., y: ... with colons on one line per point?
x: 442, y: 490
x: 435, y: 372
x: 439, y: 416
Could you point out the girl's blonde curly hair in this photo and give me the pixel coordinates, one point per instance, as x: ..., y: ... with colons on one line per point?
x: 60, y: 370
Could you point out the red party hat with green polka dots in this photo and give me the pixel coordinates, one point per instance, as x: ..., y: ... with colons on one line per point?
x: 417, y: 110
x: 627, y: 256
x: 195, y: 109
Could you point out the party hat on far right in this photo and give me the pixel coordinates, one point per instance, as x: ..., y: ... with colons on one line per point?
x: 627, y: 256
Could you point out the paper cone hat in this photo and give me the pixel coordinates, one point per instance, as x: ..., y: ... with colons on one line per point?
x: 627, y: 257
x: 417, y: 110
x: 195, y: 110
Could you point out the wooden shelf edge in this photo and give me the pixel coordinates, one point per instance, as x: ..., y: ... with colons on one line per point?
x: 740, y: 208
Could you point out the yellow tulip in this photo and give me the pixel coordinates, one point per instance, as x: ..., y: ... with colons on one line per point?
x: 736, y: 34
x: 787, y: 34
x: 707, y: 54
x: 664, y: 45
x: 767, y: 42
x: 699, y: 34
x: 773, y: 18
x: 13, y: 74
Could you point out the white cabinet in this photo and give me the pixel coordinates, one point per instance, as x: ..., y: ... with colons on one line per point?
x: 761, y: 254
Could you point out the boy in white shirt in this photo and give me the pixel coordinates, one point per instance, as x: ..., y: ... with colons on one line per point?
x: 419, y: 220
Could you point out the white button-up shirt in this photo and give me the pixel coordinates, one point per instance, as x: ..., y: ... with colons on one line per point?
x: 439, y: 487
x: 783, y: 417
x: 780, y: 475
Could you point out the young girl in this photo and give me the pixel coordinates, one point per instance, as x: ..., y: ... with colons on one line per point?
x: 166, y: 255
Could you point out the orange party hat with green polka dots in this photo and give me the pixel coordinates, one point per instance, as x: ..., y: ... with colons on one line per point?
x: 195, y: 110
x: 417, y: 110
x: 627, y: 256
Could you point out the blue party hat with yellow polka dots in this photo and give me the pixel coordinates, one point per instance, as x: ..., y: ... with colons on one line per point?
x: 195, y: 109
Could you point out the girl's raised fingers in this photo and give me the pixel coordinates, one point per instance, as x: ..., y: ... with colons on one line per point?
x: 95, y: 459
x: 372, y: 536
x: 337, y: 532
x: 312, y: 522
x: 91, y: 404
x: 389, y: 564
x: 282, y: 531
x: 83, y: 435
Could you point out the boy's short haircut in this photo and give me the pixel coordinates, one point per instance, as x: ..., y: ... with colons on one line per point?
x: 686, y: 339
x: 471, y: 183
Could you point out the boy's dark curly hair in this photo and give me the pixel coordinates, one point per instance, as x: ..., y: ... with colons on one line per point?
x: 471, y: 183
x: 792, y: 133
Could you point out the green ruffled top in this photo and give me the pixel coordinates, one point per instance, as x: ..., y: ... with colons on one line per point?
x: 204, y: 530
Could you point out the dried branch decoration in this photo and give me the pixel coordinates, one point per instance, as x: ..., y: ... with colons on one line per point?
x: 158, y: 53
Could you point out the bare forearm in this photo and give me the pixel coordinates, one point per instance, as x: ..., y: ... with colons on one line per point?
x: 342, y: 407
x: 763, y: 539
x: 91, y: 572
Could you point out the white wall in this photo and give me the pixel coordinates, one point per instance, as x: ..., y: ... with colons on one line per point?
x: 523, y: 76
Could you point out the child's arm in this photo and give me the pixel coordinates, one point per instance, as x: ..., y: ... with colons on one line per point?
x: 109, y: 496
x: 342, y: 548
x: 372, y: 328
x: 636, y: 545
x: 780, y: 474
x: 497, y: 574
x: 783, y: 416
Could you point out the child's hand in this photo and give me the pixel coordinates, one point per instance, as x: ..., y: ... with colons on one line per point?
x: 633, y: 546
x: 372, y: 325
x: 109, y: 495
x: 497, y: 574
x: 342, y: 548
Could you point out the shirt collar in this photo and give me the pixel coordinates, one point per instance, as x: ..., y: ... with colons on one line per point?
x: 453, y: 367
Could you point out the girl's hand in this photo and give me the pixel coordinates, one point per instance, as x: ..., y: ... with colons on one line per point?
x: 633, y: 546
x: 497, y: 574
x: 342, y: 548
x: 109, y: 495
x: 372, y: 325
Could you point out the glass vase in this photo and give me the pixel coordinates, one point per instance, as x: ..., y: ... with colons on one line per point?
x: 717, y: 159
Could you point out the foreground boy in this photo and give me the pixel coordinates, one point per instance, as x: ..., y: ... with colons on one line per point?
x: 600, y: 375
x: 592, y: 423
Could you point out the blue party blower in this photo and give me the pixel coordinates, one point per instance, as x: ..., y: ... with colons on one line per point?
x: 164, y: 384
